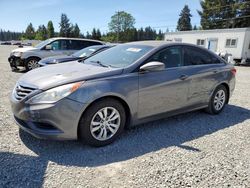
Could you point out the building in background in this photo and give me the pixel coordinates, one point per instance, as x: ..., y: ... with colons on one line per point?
x: 232, y: 42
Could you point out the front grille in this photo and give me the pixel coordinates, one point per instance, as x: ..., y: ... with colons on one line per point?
x: 21, y: 92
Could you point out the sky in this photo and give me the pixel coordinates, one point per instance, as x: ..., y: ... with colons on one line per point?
x: 15, y: 15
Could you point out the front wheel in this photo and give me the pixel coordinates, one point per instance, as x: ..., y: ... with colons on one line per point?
x: 102, y: 123
x: 32, y: 63
x: 218, y: 100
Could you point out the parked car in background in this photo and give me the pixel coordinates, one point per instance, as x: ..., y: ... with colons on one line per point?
x: 6, y: 43
x: 125, y: 85
x: 79, y: 55
x: 28, y: 57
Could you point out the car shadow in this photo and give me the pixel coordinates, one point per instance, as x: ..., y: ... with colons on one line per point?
x: 174, y: 131
x: 150, y: 137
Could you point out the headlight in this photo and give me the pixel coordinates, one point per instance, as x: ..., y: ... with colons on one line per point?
x: 17, y: 54
x: 55, y: 94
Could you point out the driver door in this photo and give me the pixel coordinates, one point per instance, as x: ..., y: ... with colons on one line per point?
x: 165, y: 90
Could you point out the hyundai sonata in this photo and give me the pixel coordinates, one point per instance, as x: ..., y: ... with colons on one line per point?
x: 123, y: 86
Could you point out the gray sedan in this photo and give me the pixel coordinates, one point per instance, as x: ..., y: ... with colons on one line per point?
x: 123, y: 86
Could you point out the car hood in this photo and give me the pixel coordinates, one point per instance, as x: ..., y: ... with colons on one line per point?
x: 54, y: 75
x: 24, y: 49
x: 57, y: 59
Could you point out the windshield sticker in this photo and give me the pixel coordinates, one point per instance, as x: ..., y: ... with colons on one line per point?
x: 134, y: 49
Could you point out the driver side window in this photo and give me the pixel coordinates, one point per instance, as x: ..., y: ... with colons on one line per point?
x: 171, y: 57
x: 59, y: 45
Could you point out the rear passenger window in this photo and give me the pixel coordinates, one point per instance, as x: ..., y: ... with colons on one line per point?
x: 195, y: 56
x: 171, y: 57
x: 80, y: 44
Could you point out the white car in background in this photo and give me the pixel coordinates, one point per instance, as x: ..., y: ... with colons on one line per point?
x: 28, y: 57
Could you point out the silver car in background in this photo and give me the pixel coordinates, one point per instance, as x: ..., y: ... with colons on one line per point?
x: 126, y: 85
x: 28, y: 57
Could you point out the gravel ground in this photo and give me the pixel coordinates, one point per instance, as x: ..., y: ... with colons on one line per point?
x: 190, y: 150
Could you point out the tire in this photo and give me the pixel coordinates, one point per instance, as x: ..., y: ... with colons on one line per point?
x: 32, y: 63
x: 214, y: 106
x: 92, y: 127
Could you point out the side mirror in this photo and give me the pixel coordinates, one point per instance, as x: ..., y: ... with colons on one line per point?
x: 48, y: 47
x: 153, y: 66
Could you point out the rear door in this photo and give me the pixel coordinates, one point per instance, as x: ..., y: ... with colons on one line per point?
x: 166, y: 90
x: 204, y: 72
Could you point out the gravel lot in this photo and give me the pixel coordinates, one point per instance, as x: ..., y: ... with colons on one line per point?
x: 190, y: 150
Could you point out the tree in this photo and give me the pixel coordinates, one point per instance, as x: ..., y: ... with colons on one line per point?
x: 93, y: 33
x: 219, y: 14
x: 50, y: 29
x: 30, y: 32
x: 65, y: 26
x: 195, y: 27
x: 98, y: 34
x: 41, y: 33
x: 184, y: 22
x: 120, y: 22
x: 75, y: 31
x: 88, y: 36
x: 243, y: 9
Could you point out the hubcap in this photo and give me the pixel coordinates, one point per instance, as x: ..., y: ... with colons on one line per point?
x: 32, y: 64
x: 219, y: 100
x: 105, y: 123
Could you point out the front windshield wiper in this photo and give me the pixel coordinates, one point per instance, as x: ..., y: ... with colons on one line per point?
x: 99, y: 63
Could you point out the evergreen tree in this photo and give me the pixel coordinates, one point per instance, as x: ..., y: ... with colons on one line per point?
x: 65, y: 26
x: 50, y: 30
x: 75, y: 31
x: 88, y: 36
x: 30, y: 32
x: 93, y: 35
x: 98, y: 34
x: 243, y: 9
x: 219, y: 14
x: 41, y: 33
x: 184, y: 22
x: 195, y: 27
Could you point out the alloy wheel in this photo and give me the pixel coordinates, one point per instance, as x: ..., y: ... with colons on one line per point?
x: 105, y: 123
x: 219, y: 100
x: 32, y: 64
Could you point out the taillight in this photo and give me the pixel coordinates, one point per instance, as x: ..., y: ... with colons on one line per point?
x: 233, y: 70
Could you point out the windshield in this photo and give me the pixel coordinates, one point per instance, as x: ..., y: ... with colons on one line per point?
x: 43, y: 43
x: 120, y: 56
x: 86, y: 52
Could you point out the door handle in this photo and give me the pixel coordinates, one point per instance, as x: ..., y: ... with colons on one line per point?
x: 183, y: 77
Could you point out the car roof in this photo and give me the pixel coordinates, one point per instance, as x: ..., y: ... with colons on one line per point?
x: 153, y: 43
x: 67, y: 38
x: 159, y: 43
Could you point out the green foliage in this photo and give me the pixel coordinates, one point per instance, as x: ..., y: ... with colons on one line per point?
x: 184, y: 22
x: 219, y: 14
x: 41, y: 33
x: 75, y: 31
x: 50, y: 29
x: 65, y: 26
x: 30, y: 32
x: 121, y: 22
x: 8, y: 35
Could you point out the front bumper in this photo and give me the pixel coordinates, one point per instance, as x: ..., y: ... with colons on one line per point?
x: 57, y: 121
x: 16, y: 61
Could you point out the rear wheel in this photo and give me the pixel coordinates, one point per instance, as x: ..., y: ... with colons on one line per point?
x: 32, y: 63
x: 102, y: 123
x: 218, y: 100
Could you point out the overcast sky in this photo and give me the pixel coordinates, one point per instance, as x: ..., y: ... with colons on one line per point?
x: 15, y: 15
